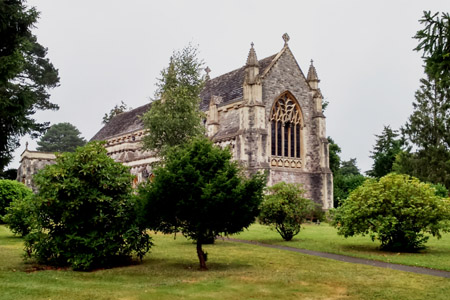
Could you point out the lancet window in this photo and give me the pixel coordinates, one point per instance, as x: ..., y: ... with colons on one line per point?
x: 286, y: 126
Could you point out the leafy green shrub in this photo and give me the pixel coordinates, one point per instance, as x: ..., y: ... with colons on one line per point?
x: 285, y: 209
x: 9, y: 191
x: 440, y: 189
x: 21, y: 215
x: 202, y: 193
x: 87, y: 213
x: 398, y: 210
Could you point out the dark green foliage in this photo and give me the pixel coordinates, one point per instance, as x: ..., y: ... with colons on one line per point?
x: 344, y: 185
x: 86, y: 212
x: 335, y: 160
x: 175, y: 117
x: 434, y: 42
x: 9, y: 174
x: 386, y: 148
x: 26, y: 75
x: 429, y: 124
x: 428, y: 127
x: 286, y: 209
x: 398, y: 210
x: 21, y: 216
x: 349, y: 167
x: 346, y: 179
x: 11, y: 190
x: 116, y: 110
x: 428, y: 130
x: 61, y: 137
x: 202, y: 193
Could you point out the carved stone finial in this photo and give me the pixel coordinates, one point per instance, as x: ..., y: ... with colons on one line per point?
x: 26, y: 146
x: 252, y: 61
x: 286, y: 39
x: 312, y: 77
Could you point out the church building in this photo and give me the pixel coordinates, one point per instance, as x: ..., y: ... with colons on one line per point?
x: 267, y: 112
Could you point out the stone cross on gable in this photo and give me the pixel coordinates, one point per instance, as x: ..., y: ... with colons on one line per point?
x: 286, y: 39
x: 207, y: 70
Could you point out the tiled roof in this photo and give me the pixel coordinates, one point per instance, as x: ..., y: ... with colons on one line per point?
x: 122, y: 123
x: 227, y: 86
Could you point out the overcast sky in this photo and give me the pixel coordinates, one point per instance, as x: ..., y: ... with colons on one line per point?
x: 109, y: 51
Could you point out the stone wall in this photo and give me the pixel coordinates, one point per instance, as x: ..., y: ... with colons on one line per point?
x: 30, y: 163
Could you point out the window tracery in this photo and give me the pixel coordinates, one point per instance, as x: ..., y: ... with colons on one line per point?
x: 286, y: 126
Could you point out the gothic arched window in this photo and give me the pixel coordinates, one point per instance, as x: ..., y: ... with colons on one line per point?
x: 286, y: 125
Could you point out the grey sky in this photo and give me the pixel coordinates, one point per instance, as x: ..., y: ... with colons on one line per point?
x: 109, y: 51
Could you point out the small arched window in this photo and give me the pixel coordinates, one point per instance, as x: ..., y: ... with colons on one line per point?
x: 286, y: 125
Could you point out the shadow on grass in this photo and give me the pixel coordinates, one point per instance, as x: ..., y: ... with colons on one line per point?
x: 191, y: 265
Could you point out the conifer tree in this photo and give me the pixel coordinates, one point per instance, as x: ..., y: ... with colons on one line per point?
x: 387, y: 146
x: 61, y: 137
x: 428, y: 128
x: 26, y: 75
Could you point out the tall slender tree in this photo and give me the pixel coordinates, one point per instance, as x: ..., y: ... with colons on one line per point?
x: 428, y: 128
x: 175, y: 116
x: 26, y: 75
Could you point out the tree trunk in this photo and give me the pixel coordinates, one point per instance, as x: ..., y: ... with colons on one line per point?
x: 201, y: 256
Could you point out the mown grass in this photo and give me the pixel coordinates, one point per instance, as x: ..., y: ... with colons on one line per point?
x: 324, y: 238
x: 236, y: 271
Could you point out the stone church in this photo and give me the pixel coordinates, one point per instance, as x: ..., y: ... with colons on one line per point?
x: 267, y: 112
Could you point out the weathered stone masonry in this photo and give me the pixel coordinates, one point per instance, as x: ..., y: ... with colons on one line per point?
x: 267, y: 112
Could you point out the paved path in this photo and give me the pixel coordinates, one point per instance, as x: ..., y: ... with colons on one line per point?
x: 350, y: 259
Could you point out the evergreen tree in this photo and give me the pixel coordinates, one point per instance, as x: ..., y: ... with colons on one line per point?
x: 347, y: 178
x: 434, y: 42
x: 349, y: 167
x: 26, y: 75
x: 428, y: 128
x: 387, y: 146
x: 175, y: 117
x: 61, y: 137
x: 201, y: 193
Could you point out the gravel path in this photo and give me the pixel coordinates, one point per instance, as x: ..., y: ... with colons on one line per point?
x: 350, y: 259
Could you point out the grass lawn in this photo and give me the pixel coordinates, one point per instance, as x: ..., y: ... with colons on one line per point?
x: 236, y: 271
x: 324, y: 238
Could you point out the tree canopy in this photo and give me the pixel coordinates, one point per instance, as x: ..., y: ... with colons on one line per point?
x: 202, y: 193
x: 434, y: 43
x: 26, y: 75
x: 175, y: 116
x: 61, y: 137
x: 388, y: 144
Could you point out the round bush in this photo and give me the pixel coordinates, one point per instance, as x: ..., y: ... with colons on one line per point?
x: 86, y: 212
x: 286, y: 209
x: 11, y: 190
x: 398, y: 210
